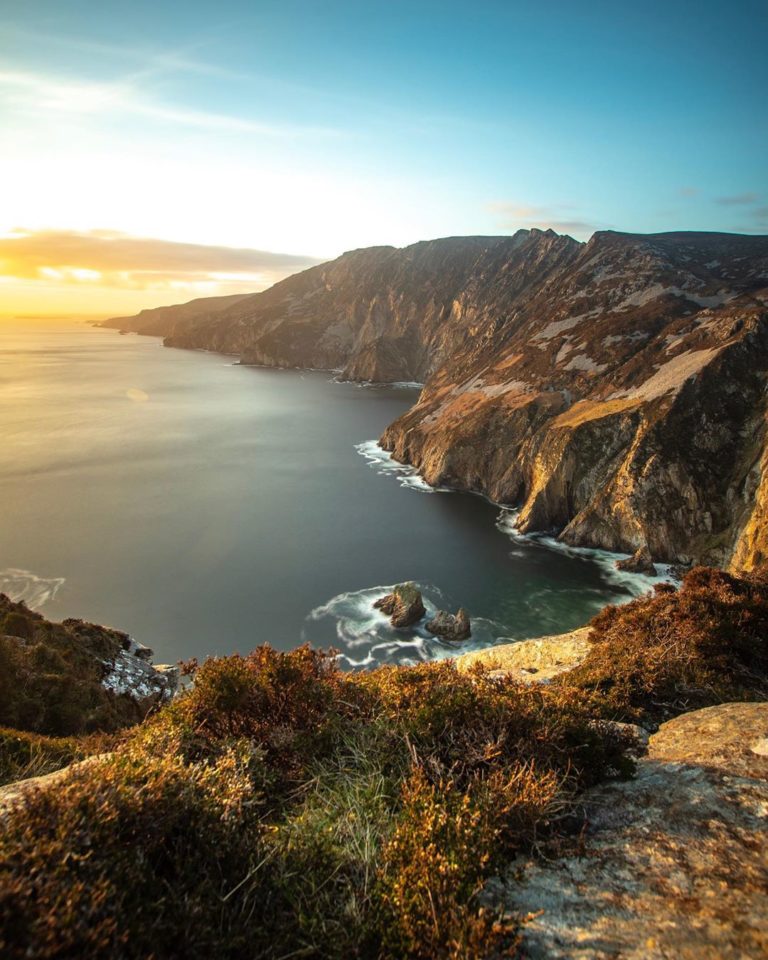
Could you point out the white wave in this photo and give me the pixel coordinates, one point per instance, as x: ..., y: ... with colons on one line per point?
x: 384, y: 463
x: 634, y: 584
x: 24, y: 585
x: 367, y: 637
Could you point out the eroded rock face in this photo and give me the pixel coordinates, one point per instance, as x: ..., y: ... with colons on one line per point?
x: 614, y: 390
x: 675, y: 862
x: 449, y: 626
x: 640, y: 562
x: 404, y: 606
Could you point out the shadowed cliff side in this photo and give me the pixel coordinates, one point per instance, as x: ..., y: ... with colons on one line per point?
x: 614, y: 390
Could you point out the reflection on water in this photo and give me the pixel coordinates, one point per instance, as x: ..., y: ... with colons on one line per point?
x: 206, y: 507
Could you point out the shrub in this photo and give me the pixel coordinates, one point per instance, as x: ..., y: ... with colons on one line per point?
x: 678, y: 650
x: 283, y: 808
x: 445, y: 843
x: 134, y: 857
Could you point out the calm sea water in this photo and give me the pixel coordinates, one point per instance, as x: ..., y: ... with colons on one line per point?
x: 207, y: 507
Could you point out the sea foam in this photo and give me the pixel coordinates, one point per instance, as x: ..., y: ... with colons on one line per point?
x: 24, y: 585
x: 366, y: 637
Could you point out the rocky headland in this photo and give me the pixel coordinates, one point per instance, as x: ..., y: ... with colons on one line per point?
x: 74, y: 677
x: 614, y: 390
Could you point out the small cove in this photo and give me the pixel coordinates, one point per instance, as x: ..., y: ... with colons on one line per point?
x: 206, y: 507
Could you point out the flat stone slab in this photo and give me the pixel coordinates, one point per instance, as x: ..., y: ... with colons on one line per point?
x: 675, y: 862
x: 532, y: 661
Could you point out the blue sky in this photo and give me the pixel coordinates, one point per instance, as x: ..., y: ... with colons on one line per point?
x: 308, y: 128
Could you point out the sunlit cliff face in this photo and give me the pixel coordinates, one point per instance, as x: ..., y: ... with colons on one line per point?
x: 58, y: 272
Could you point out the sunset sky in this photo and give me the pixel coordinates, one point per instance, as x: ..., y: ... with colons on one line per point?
x: 151, y: 152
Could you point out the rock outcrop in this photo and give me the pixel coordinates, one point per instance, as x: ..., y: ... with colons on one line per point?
x: 74, y: 677
x: 640, y: 562
x: 450, y: 626
x: 674, y: 863
x: 532, y: 661
x: 614, y: 390
x: 404, y: 606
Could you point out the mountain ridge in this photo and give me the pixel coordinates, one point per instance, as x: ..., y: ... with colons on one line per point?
x: 614, y: 390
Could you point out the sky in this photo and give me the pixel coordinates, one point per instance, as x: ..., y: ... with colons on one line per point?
x: 152, y: 152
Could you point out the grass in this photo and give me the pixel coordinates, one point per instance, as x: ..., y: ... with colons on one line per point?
x: 24, y: 755
x: 280, y: 808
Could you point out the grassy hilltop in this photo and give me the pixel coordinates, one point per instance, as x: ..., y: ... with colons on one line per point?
x: 282, y: 808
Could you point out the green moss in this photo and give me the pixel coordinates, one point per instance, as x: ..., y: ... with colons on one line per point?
x: 408, y: 592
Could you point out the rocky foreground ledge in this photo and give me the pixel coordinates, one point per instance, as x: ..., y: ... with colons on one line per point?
x: 675, y: 861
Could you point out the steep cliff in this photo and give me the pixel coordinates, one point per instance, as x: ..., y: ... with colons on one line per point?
x: 614, y: 390
x: 160, y: 321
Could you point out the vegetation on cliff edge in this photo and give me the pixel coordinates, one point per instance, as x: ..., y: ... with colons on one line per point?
x: 282, y: 808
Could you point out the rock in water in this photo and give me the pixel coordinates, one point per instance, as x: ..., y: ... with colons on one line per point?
x: 640, y: 562
x: 451, y: 627
x: 404, y: 606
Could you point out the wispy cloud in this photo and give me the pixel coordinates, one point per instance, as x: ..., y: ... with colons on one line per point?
x: 688, y: 192
x: 40, y: 92
x: 116, y: 259
x: 151, y: 60
x: 738, y: 199
x: 512, y: 215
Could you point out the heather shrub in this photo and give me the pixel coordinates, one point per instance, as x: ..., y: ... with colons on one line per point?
x: 283, y: 808
x: 133, y: 857
x: 678, y: 650
x: 25, y: 754
x: 444, y: 844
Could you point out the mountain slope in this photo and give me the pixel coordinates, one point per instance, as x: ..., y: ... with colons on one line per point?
x: 615, y: 390
x: 160, y: 321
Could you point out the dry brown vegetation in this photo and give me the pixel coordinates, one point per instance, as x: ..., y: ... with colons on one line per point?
x: 282, y: 808
x: 678, y: 650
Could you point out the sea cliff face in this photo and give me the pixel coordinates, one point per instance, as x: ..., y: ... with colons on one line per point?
x: 614, y: 390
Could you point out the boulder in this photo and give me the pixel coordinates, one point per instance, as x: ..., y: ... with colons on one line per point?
x: 673, y: 863
x: 640, y: 562
x: 450, y: 627
x: 404, y: 606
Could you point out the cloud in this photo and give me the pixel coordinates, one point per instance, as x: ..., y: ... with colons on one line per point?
x: 512, y: 215
x: 38, y: 92
x: 688, y: 192
x: 120, y: 260
x: 738, y: 199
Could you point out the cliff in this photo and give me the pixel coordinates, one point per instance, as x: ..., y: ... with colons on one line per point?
x: 159, y: 321
x: 73, y: 677
x: 614, y: 390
